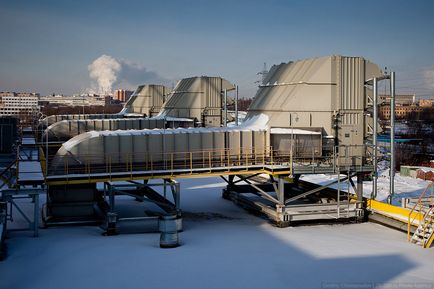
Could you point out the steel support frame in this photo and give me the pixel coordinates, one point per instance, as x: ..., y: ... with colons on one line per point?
x: 170, y: 207
x: 10, y: 196
x: 374, y: 83
x: 283, y: 213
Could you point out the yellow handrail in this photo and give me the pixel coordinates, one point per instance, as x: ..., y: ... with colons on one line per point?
x: 419, y: 203
x: 183, y: 160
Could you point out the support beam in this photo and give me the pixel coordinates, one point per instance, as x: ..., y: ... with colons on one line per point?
x: 243, y: 178
x: 315, y: 190
x: 263, y: 193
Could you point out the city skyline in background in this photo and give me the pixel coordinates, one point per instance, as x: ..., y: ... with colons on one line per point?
x: 55, y: 47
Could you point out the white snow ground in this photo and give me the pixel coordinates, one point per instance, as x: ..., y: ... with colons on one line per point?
x: 222, y: 247
x: 405, y: 187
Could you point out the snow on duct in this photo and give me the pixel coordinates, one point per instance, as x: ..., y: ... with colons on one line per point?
x: 325, y: 95
x: 195, y: 101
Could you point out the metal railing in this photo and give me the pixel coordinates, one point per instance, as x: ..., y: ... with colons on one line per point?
x: 420, y: 207
x: 168, y: 161
x: 224, y: 160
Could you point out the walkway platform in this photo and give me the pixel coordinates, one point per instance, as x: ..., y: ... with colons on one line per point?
x: 132, y: 174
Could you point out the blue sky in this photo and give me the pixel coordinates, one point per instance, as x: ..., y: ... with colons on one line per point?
x: 47, y: 45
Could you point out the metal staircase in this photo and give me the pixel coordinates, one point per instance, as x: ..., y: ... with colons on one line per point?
x: 424, y: 234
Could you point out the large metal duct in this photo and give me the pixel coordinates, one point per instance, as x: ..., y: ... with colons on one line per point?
x: 326, y: 94
x: 199, y: 98
x: 321, y: 97
x: 62, y: 131
x: 147, y: 100
x: 49, y: 120
x: 138, y: 148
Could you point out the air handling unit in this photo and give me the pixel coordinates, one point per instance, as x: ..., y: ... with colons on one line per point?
x: 309, y: 116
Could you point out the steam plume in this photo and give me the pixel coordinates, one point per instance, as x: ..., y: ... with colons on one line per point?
x: 107, y: 72
x: 104, y: 71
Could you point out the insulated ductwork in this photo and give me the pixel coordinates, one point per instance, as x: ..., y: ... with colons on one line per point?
x: 62, y: 131
x: 139, y: 148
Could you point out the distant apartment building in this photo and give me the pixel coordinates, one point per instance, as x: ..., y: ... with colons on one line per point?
x: 401, y: 111
x: 122, y: 95
x: 406, y: 106
x: 400, y: 99
x: 18, y: 103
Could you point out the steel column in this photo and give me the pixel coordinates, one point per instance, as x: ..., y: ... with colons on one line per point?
x: 236, y: 105
x: 111, y: 198
x: 359, y: 187
x: 392, y: 137
x: 226, y: 107
x: 374, y: 137
x: 36, y: 215
x: 281, y: 191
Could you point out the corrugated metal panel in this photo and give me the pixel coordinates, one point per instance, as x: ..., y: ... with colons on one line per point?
x: 351, y: 82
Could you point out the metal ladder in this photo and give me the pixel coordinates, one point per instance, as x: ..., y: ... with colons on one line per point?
x: 424, y: 234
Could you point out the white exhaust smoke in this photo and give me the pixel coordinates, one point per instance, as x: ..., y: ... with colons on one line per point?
x: 104, y: 71
x: 107, y: 72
